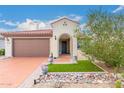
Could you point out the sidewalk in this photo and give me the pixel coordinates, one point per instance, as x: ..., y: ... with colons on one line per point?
x: 3, y: 57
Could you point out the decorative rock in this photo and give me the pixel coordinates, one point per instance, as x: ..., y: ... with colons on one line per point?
x: 78, y: 77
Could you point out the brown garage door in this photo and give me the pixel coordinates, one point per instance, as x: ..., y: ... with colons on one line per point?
x: 30, y: 47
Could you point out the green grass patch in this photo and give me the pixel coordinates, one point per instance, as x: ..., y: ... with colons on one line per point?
x: 81, y: 66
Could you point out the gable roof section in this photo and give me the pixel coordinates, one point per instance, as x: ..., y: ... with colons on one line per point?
x: 32, y: 33
x: 61, y: 18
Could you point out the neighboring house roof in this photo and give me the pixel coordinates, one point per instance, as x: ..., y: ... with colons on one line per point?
x: 32, y: 33
x: 64, y: 17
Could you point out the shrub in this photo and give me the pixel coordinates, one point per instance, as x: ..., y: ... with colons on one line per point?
x: 122, y: 74
x: 118, y: 84
x: 2, y: 51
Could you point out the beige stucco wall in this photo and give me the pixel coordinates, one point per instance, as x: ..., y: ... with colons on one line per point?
x: 58, y: 30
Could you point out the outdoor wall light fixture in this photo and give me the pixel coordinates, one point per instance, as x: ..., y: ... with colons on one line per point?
x: 7, y: 39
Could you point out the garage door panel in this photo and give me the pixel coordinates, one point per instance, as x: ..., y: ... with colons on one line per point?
x: 30, y: 47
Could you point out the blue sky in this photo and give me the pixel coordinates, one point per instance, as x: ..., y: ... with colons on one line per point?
x: 12, y: 16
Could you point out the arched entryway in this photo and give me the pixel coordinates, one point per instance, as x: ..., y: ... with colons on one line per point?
x: 64, y: 44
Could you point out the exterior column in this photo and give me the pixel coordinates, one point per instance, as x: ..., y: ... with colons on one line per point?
x: 74, y: 41
x: 54, y: 47
x: 8, y: 47
x: 51, y: 46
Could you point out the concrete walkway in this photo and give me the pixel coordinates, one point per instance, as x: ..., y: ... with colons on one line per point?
x: 2, y: 57
x: 62, y: 59
x: 82, y: 56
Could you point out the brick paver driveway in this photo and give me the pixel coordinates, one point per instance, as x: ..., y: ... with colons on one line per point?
x: 14, y: 71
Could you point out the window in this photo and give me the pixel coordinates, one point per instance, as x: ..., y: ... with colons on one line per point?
x: 64, y: 24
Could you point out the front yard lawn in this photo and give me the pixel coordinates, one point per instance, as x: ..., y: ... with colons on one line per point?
x: 81, y: 66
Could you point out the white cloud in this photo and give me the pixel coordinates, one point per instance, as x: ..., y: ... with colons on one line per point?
x: 6, y: 30
x: 2, y: 21
x: 78, y: 18
x: 75, y: 17
x: 82, y: 26
x: 30, y: 24
x: 9, y: 23
x: 2, y: 29
x: 121, y: 7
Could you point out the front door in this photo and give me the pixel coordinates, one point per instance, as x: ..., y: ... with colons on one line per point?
x: 64, y: 47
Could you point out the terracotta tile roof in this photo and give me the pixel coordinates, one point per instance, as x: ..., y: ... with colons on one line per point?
x: 32, y: 33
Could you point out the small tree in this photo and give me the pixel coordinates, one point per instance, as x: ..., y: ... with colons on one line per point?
x: 104, y: 37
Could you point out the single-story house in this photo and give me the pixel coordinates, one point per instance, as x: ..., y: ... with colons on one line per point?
x: 58, y: 40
